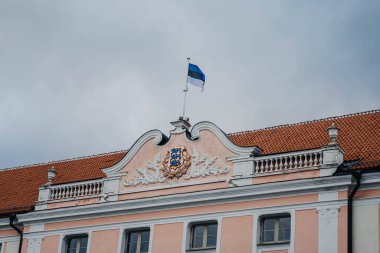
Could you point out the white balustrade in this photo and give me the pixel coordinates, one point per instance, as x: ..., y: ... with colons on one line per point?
x: 287, y: 162
x: 76, y: 190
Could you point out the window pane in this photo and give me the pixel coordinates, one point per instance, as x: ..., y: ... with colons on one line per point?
x: 144, y: 247
x: 73, y: 243
x: 145, y: 236
x: 72, y: 251
x: 212, y: 229
x: 198, y: 230
x: 211, y: 241
x: 132, y: 248
x: 284, y: 235
x: 268, y: 236
x: 132, y: 238
x: 197, y: 242
x: 82, y: 250
x: 83, y: 242
x: 284, y: 222
x: 269, y: 224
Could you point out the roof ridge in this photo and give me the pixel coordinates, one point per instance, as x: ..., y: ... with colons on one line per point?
x: 64, y: 160
x: 305, y: 122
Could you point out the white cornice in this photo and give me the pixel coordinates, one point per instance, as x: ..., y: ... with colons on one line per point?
x: 205, y: 125
x: 158, y: 136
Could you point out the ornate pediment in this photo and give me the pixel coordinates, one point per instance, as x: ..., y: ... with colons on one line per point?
x: 177, y: 164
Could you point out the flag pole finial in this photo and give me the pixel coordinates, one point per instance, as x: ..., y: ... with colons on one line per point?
x: 185, y: 91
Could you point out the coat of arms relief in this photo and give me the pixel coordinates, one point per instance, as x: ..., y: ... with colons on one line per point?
x: 176, y: 163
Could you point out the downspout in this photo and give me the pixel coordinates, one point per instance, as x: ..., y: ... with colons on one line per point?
x: 357, y: 175
x: 12, y: 218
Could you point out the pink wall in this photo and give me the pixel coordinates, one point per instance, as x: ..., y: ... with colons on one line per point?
x: 232, y: 237
x: 306, y: 234
x: 50, y: 244
x: 167, y: 238
x: 105, y: 241
x: 342, y: 230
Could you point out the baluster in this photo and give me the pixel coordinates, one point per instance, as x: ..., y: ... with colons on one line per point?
x: 300, y: 165
x: 271, y: 165
x: 81, y: 190
x: 97, y: 188
x: 86, y: 189
x: 92, y: 189
x: 311, y: 160
x: 100, y: 187
x: 280, y: 165
x: 315, y: 159
x: 295, y: 162
x: 52, y: 194
x: 266, y: 165
x: 257, y: 167
x: 286, y: 163
x: 262, y: 166
x: 290, y: 162
x: 71, y: 189
x: 276, y: 164
x: 59, y: 193
x: 305, y: 164
x: 320, y: 158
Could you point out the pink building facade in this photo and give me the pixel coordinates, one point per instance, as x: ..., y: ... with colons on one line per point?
x: 311, y: 187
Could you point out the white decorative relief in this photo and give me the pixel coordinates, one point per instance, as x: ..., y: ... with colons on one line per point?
x: 328, y: 214
x: 201, y: 166
x: 149, y: 175
x: 34, y: 245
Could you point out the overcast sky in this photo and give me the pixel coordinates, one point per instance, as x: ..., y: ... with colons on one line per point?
x: 85, y: 77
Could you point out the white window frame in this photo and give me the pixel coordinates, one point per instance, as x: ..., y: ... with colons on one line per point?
x: 190, y: 234
x: 138, y: 230
x: 67, y: 237
x: 277, y: 217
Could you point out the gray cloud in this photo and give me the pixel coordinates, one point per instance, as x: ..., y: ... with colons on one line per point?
x: 85, y: 77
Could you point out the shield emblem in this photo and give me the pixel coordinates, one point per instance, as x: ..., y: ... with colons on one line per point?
x: 176, y: 162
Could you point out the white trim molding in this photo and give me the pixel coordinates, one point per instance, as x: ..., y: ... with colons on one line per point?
x: 158, y: 137
x: 206, y: 125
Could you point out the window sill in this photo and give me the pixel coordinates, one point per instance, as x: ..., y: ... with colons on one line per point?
x: 272, y: 243
x: 209, y: 250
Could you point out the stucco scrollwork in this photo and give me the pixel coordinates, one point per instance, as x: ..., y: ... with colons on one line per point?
x: 202, y: 166
x: 149, y: 175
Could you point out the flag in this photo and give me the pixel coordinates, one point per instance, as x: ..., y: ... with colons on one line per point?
x: 195, y: 76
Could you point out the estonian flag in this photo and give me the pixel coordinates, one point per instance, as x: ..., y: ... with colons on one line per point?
x: 195, y: 76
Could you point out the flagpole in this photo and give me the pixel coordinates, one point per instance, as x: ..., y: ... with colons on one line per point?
x: 185, y: 91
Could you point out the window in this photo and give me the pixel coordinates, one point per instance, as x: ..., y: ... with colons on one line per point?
x: 138, y: 241
x: 76, y: 244
x: 275, y: 229
x: 203, y: 236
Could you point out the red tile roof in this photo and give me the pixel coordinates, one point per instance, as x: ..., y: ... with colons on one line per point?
x: 359, y: 137
x: 19, y: 186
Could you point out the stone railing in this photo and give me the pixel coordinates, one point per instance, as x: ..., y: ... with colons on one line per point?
x: 74, y: 190
x: 271, y: 164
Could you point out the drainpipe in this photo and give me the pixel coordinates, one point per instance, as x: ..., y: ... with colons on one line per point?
x: 354, y: 188
x: 12, y: 219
